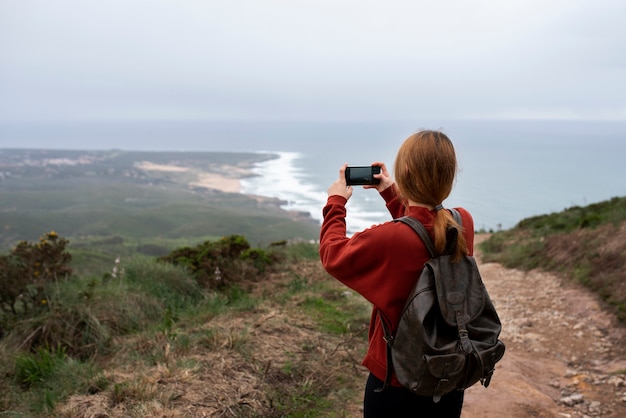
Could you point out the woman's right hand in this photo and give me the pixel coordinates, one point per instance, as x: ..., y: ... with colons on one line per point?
x: 385, y: 178
x: 340, y: 187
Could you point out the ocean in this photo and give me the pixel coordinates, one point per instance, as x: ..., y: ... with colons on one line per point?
x: 508, y: 170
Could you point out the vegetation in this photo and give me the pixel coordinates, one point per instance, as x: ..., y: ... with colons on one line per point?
x: 138, y: 320
x: 104, y: 200
x: 25, y: 272
x: 587, y: 244
x: 216, y: 264
x: 274, y: 320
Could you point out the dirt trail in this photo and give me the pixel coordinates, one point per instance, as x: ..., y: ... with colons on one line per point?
x: 564, y: 352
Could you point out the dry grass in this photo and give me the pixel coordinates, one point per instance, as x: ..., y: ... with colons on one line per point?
x: 270, y: 361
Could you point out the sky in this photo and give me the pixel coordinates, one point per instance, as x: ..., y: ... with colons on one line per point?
x: 63, y: 60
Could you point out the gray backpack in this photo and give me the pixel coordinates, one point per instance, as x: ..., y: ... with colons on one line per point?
x: 447, y: 337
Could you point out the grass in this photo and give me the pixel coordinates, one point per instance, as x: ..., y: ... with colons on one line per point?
x: 189, y: 219
x: 42, y: 378
x: 587, y: 244
x: 150, y: 341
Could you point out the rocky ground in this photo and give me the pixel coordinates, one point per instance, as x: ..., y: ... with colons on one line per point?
x: 565, y: 354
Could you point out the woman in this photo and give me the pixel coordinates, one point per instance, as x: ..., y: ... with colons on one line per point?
x: 383, y: 262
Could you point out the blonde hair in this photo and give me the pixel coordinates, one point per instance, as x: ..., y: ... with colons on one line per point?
x: 425, y: 170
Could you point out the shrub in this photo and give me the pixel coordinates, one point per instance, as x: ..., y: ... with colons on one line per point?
x: 221, y: 263
x: 259, y: 258
x: 25, y: 272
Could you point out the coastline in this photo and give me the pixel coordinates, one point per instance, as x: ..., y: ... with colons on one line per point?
x: 131, y: 196
x: 215, y: 179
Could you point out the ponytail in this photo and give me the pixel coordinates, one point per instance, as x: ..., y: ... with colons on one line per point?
x: 443, y: 221
x: 425, y: 170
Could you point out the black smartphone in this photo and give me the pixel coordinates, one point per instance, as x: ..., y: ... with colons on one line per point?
x: 362, y: 175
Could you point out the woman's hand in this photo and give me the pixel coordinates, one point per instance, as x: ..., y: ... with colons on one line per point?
x: 340, y: 187
x: 385, y: 179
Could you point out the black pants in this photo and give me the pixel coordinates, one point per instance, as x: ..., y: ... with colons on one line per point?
x: 396, y: 402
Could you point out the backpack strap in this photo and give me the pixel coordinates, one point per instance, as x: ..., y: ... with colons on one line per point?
x: 456, y: 215
x: 419, y: 228
x: 421, y: 231
x: 389, y: 339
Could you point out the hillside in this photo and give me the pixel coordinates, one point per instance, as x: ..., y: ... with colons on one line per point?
x: 565, y: 356
x: 291, y: 345
x: 587, y: 244
x: 138, y: 198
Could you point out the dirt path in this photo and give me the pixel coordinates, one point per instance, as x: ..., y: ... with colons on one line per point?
x: 564, y: 353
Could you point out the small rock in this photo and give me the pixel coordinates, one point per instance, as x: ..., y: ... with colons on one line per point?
x: 573, y: 399
x: 597, y: 363
x: 616, y: 381
x: 527, y: 323
x: 594, y: 408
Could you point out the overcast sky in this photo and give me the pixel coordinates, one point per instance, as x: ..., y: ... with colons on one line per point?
x: 312, y: 59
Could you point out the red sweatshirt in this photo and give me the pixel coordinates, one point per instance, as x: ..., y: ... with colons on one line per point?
x: 381, y: 263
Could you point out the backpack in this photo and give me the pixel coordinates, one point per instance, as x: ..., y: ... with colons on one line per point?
x: 447, y: 337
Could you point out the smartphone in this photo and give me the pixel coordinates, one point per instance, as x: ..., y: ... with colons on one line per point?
x: 362, y: 175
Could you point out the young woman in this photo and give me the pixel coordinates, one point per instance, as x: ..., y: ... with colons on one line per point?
x: 383, y: 262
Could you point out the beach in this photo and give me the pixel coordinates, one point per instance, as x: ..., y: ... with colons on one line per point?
x: 214, y: 179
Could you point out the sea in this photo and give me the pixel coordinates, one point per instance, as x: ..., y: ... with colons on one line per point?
x: 508, y: 170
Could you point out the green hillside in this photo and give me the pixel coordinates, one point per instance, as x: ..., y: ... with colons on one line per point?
x: 586, y: 243
x: 106, y: 195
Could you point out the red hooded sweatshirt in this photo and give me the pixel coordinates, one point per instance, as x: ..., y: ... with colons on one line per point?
x: 382, y: 263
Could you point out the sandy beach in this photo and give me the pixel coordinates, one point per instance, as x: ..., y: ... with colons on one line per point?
x: 218, y: 182
x: 230, y: 183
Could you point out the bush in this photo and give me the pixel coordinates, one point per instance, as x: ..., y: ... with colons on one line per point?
x: 222, y: 263
x: 26, y: 271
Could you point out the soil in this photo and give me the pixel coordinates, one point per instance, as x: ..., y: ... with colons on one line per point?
x: 565, y: 352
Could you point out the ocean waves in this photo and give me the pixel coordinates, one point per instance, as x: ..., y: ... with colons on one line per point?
x: 287, y: 179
